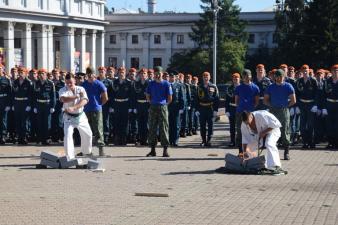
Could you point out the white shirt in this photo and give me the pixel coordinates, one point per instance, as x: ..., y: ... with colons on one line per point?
x: 263, y: 120
x: 66, y: 92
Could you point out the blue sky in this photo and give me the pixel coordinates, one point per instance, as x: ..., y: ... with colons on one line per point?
x: 186, y: 5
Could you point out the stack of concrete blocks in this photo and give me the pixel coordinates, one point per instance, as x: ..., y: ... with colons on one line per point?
x: 57, y: 161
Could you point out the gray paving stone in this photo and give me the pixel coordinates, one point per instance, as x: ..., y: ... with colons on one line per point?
x: 49, y: 155
x: 51, y: 164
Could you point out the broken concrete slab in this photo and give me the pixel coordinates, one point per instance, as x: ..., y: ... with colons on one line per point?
x: 92, y: 164
x: 50, y: 156
x: 49, y: 163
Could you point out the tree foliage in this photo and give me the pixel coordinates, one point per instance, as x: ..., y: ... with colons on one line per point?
x: 231, y: 40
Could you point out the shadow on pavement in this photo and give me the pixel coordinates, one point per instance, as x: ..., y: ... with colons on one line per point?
x: 190, y: 172
x: 176, y: 159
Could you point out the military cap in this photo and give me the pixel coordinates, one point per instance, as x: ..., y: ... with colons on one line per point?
x: 80, y: 74
x: 21, y: 68
x: 150, y: 71
x: 14, y: 68
x: 260, y: 66
x: 121, y: 69
x: 102, y: 68
x: 279, y: 73
x: 334, y: 67
x: 42, y: 70
x: 305, y: 67
x: 205, y: 74
x: 111, y: 68
x: 320, y: 71
x: 283, y: 66
x: 143, y: 70
x: 188, y: 76
x: 55, y: 70
x: 195, y: 78
x: 236, y: 75
x: 291, y: 68
x: 132, y: 70
x: 33, y: 71
x: 172, y: 72
x: 158, y: 69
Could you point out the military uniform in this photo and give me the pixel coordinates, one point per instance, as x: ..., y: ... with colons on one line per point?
x: 22, y: 102
x: 306, y: 93
x: 262, y: 85
x: 5, y: 105
x: 319, y: 119
x: 105, y: 110
x: 193, y: 120
x: 207, y: 103
x: 132, y: 117
x: 44, y: 106
x: 230, y: 106
x: 141, y: 108
x: 294, y: 115
x: 121, y: 102
x: 175, y: 108
x: 57, y: 121
x: 331, y: 111
x: 187, y: 105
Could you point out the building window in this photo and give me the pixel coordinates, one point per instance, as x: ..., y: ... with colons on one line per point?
x: 77, y: 6
x: 90, y: 8
x: 40, y: 4
x: 274, y: 38
x: 180, y: 39
x: 135, y: 63
x: 17, y: 42
x: 57, y: 45
x: 3, y: 2
x: 251, y: 38
x: 112, y: 61
x: 157, y: 62
x: 157, y: 39
x: 98, y: 7
x: 112, y: 39
x: 2, y: 42
x: 134, y: 39
x: 23, y: 3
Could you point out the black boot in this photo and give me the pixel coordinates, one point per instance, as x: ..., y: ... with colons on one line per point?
x: 286, y: 153
x: 152, y: 152
x: 204, y: 141
x: 101, y: 151
x: 165, y: 151
x: 208, y: 143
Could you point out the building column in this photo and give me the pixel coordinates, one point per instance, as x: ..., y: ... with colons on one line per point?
x: 83, y: 50
x: 92, y: 49
x: 168, y: 49
x: 67, y: 49
x: 50, y: 52
x: 42, y: 47
x: 27, y: 45
x: 100, y: 50
x: 123, y: 38
x: 145, y: 50
x: 9, y: 45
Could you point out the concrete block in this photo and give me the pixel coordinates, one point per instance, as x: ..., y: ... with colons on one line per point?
x: 51, y: 164
x: 65, y: 162
x: 50, y: 156
x: 92, y: 164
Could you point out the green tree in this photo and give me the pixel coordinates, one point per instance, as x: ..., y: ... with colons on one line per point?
x: 231, y: 40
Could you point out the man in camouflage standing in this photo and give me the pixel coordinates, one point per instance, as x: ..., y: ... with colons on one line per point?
x: 159, y: 94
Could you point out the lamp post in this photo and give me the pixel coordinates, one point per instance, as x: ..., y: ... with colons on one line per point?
x: 215, y: 10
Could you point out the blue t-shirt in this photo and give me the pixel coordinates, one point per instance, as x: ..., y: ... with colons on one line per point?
x: 94, y: 91
x: 159, y: 92
x: 247, y: 94
x: 279, y: 94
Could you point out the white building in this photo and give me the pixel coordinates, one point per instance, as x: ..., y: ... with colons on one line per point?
x: 138, y: 39
x: 66, y: 34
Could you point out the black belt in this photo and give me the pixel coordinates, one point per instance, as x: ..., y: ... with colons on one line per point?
x: 73, y: 115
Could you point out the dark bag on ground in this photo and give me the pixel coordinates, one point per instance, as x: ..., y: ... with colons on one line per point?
x: 236, y: 164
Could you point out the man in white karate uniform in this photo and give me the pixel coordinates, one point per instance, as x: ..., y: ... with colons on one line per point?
x: 255, y: 127
x: 74, y: 98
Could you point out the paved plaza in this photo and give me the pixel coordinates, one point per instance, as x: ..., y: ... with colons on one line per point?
x: 197, y: 195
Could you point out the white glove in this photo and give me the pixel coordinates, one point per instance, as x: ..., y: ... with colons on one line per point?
x: 189, y: 108
x: 130, y: 110
x: 215, y: 113
x: 28, y: 108
x: 318, y: 112
x: 292, y: 111
x: 197, y: 113
x: 135, y: 111
x: 314, y: 109
x: 324, y: 112
x: 111, y: 110
x: 12, y: 108
x: 297, y: 110
x: 181, y: 111
x: 52, y: 110
x: 227, y: 114
x: 35, y: 110
x: 7, y: 108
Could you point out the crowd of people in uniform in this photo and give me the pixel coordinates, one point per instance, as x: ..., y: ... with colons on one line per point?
x: 304, y: 101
